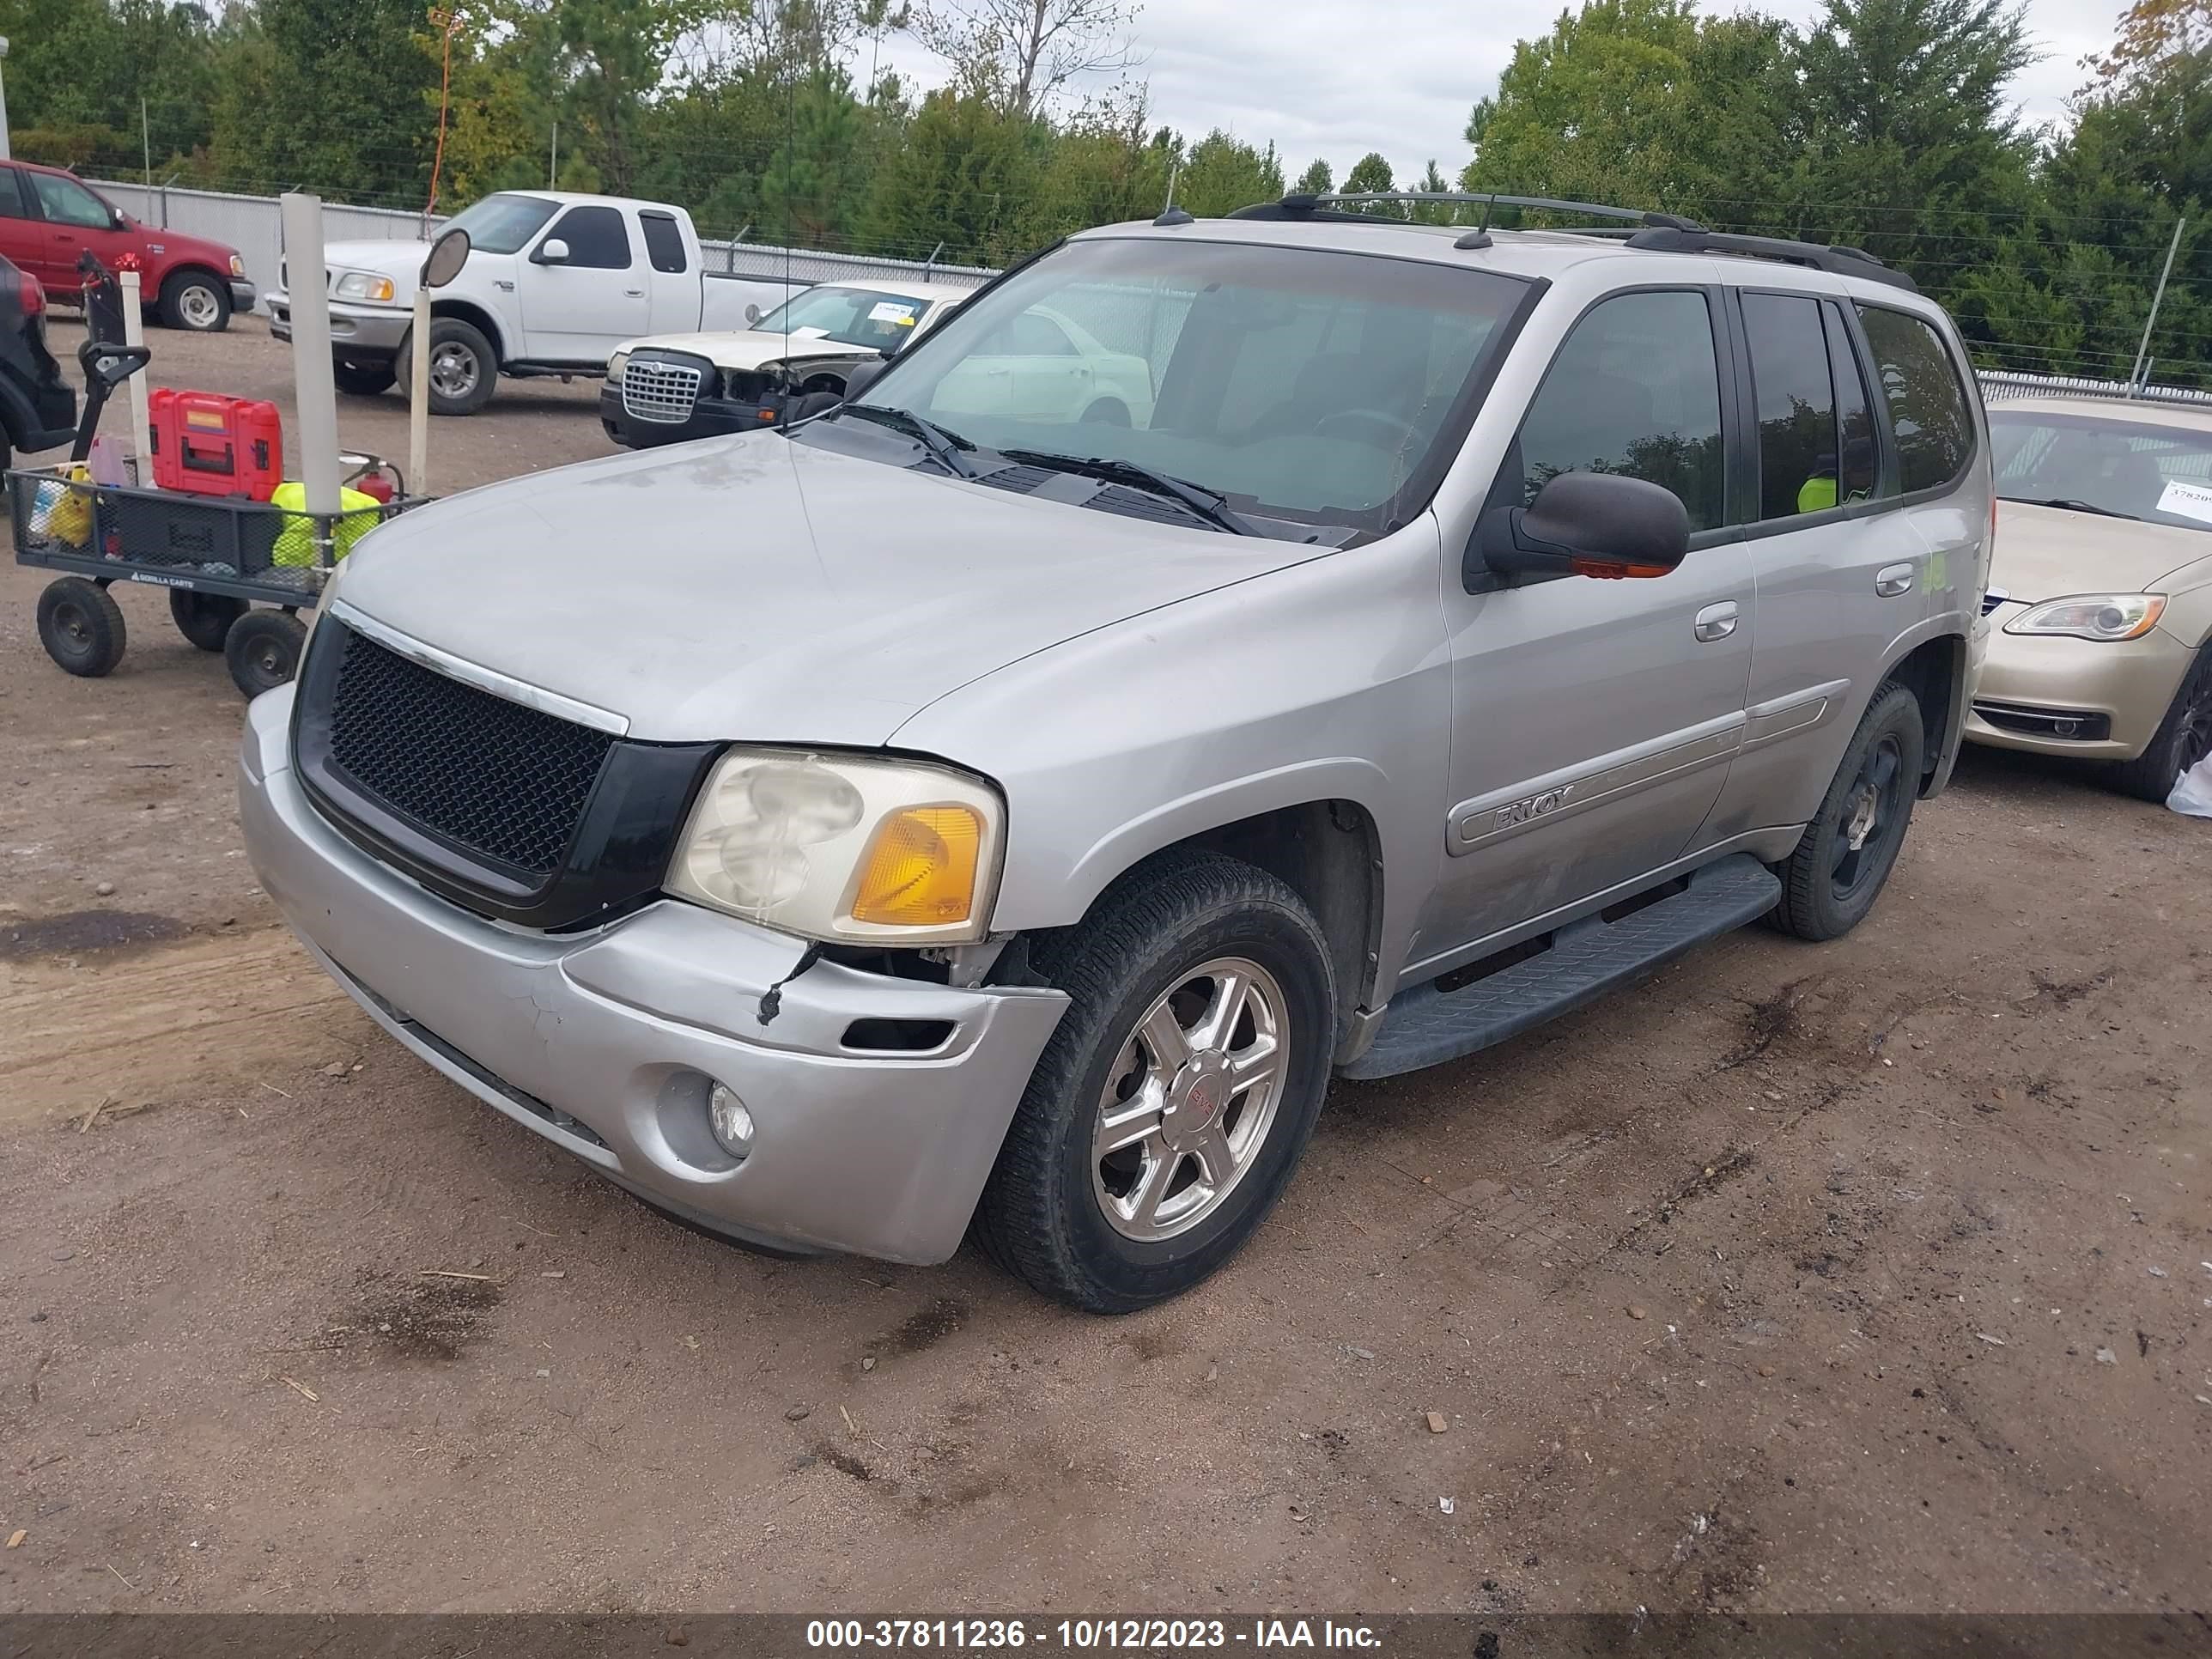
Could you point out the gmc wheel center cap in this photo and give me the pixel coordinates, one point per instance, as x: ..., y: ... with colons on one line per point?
x: 1196, y: 1099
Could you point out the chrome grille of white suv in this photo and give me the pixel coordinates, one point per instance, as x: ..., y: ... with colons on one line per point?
x: 656, y: 391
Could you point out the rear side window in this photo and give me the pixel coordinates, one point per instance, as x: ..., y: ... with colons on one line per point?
x: 664, y: 243
x: 1927, y: 405
x: 12, y: 206
x: 1635, y: 390
x: 1860, y: 456
x: 596, y: 238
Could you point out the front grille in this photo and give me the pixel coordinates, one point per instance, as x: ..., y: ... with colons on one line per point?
x: 652, y: 390
x: 503, y: 782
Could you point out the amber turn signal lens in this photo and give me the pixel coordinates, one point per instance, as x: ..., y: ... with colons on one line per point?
x: 921, y: 868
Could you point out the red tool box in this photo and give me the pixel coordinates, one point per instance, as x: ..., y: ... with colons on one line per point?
x: 207, y: 444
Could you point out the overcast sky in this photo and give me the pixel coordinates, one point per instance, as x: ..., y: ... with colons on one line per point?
x: 1399, y: 76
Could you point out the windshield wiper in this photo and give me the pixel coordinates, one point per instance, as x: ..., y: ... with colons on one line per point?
x: 1212, y: 508
x: 2072, y: 505
x: 944, y: 446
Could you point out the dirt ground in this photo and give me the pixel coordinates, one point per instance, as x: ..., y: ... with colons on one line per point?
x: 1875, y: 1275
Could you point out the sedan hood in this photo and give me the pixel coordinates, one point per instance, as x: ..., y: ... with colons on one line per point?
x: 760, y: 587
x: 750, y: 348
x: 2048, y: 552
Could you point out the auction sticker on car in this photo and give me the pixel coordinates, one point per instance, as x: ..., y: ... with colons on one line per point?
x: 890, y: 310
x: 2187, y: 501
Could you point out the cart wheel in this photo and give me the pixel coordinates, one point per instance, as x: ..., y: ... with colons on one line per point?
x: 81, y: 627
x: 205, y: 618
x: 262, y: 650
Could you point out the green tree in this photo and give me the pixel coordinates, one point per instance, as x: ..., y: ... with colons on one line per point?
x: 1371, y: 173
x: 1433, y: 183
x: 1222, y: 173
x: 1316, y: 181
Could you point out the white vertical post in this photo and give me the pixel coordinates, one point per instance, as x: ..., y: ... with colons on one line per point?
x: 418, y: 393
x: 4, y: 151
x: 2135, y: 375
x: 312, y: 381
x: 142, y: 420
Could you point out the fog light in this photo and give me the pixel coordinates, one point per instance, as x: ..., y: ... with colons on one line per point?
x: 731, y: 1123
x: 2065, y: 728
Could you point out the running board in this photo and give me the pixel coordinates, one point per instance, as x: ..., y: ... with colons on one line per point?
x: 1587, y: 959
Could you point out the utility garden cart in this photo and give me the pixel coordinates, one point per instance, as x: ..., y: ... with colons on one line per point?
x: 219, y: 556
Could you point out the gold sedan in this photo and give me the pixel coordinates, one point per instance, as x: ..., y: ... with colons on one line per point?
x: 2101, y: 591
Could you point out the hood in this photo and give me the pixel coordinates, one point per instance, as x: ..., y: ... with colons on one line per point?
x: 2048, y: 552
x: 761, y: 588
x: 750, y: 348
x: 175, y: 245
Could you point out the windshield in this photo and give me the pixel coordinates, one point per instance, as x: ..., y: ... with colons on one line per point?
x: 1298, y: 383
x: 851, y: 316
x: 2141, y: 471
x: 502, y: 224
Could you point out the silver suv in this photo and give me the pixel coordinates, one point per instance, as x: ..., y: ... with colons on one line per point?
x: 989, y: 807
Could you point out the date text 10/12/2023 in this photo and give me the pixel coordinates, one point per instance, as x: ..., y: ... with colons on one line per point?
x: 1084, y: 1635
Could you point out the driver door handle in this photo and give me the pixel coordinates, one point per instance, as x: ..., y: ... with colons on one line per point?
x: 1715, y: 622
x: 1893, y: 579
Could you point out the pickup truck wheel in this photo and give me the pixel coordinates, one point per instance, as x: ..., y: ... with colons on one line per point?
x: 81, y: 627
x: 463, y: 366
x: 363, y: 379
x: 262, y: 650
x: 1847, y: 852
x: 2183, y: 739
x: 197, y: 303
x: 205, y: 618
x: 1178, y: 1093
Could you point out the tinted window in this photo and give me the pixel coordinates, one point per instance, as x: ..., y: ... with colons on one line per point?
x: 853, y: 316
x: 2101, y: 466
x: 596, y: 238
x: 1927, y: 405
x: 12, y: 206
x: 1636, y: 390
x: 68, y: 202
x: 1798, y: 463
x: 664, y: 243
x: 1862, y: 455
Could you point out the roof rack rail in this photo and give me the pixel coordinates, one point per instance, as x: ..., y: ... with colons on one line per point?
x: 1838, y: 260
x: 1324, y: 206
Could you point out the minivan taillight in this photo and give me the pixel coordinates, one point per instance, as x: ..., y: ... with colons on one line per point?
x: 34, y: 296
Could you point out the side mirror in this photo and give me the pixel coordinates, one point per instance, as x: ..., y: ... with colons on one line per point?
x: 446, y: 257
x: 1585, y: 524
x: 752, y: 314
x: 552, y: 252
x: 864, y: 375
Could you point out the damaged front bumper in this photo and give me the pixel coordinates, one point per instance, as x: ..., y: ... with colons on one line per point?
x: 607, y: 1042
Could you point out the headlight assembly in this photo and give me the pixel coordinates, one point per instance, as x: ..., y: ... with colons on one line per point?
x: 844, y: 848
x: 2109, y: 617
x: 615, y: 364
x: 361, y: 285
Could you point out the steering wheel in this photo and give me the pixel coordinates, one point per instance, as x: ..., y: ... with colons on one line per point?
x: 1396, y: 429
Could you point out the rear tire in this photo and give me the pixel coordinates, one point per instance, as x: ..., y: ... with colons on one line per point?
x: 263, y: 651
x: 81, y: 627
x: 197, y: 303
x: 1847, y: 852
x: 1195, y: 975
x: 2183, y: 739
x: 205, y: 618
x: 364, y: 379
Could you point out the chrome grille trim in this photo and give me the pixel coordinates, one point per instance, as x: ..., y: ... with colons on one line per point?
x: 655, y: 390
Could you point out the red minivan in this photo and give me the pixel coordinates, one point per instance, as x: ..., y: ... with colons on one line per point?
x: 49, y: 219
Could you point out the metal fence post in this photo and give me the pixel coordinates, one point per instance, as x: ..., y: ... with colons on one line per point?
x: 2136, y: 374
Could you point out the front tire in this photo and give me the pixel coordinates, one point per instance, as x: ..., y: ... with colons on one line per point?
x: 1176, y: 1098
x: 2183, y: 739
x: 81, y: 627
x: 262, y: 650
x: 197, y: 303
x: 463, y: 366
x: 363, y: 379
x: 1847, y: 852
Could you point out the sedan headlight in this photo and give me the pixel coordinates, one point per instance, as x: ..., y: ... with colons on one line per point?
x: 361, y: 285
x: 835, y: 847
x: 2093, y: 616
x: 615, y: 364
x: 238, y: 264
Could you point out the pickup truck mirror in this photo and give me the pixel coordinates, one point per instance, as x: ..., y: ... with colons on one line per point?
x: 552, y: 252
x: 1585, y: 524
x: 752, y: 314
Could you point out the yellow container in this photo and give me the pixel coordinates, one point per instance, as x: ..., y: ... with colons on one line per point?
x: 358, y: 514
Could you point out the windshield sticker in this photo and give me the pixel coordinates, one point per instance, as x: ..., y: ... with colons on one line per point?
x: 2186, y: 501
x: 890, y: 310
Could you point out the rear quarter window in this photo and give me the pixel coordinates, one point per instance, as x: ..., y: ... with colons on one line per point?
x: 1925, y: 397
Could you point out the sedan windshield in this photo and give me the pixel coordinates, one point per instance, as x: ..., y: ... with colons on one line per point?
x: 1290, y: 383
x: 502, y: 224
x: 2117, y: 468
x: 850, y: 316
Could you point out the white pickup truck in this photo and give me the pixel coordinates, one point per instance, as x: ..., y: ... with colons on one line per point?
x: 553, y: 282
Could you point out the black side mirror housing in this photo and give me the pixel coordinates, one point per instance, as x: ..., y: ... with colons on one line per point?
x: 864, y: 375
x: 1605, y: 524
